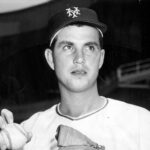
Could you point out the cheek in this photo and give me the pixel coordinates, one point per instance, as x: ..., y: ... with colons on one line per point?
x: 60, y: 63
x: 94, y: 61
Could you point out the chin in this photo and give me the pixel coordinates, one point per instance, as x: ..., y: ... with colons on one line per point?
x: 79, y: 87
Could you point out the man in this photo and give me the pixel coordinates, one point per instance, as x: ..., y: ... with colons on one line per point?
x: 76, y: 55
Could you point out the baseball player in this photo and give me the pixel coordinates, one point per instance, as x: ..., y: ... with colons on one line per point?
x: 83, y: 119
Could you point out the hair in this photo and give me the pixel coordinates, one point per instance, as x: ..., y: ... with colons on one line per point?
x: 78, y: 24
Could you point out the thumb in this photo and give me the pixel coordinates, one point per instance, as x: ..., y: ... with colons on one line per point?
x: 7, y: 115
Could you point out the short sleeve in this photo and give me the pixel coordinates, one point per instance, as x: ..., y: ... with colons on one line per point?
x: 29, y: 123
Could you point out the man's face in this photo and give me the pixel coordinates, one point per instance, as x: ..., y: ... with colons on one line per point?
x: 76, y: 58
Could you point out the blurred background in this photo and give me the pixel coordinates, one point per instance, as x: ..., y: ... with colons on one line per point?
x: 28, y: 85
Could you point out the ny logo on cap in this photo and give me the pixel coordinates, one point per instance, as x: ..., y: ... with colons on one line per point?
x: 73, y: 12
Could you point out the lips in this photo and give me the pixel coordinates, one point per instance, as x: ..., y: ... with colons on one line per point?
x: 79, y: 72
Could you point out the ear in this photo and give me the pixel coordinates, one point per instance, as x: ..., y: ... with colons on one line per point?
x: 49, y: 58
x: 102, y: 56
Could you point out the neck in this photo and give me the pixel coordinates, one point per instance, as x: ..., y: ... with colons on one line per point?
x: 79, y: 103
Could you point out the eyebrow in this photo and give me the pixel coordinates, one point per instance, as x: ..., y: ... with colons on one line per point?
x: 93, y: 43
x: 71, y: 43
x: 65, y: 42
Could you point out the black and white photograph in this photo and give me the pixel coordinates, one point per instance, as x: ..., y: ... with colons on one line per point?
x: 74, y: 75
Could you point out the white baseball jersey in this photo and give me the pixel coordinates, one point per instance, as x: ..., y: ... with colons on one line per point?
x: 116, y: 126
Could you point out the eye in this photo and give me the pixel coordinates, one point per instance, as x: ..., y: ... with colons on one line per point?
x: 90, y: 48
x: 68, y: 47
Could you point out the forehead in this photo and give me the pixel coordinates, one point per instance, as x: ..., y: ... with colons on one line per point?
x: 76, y: 33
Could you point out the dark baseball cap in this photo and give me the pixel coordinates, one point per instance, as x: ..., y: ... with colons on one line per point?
x: 74, y: 15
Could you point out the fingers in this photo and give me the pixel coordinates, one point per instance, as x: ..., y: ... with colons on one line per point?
x: 29, y: 136
x: 7, y: 116
x: 2, y: 143
x: 3, y: 147
x: 2, y: 123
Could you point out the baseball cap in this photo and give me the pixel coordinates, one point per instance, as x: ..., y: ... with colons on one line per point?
x: 74, y: 15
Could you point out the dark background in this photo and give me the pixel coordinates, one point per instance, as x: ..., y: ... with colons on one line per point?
x: 26, y: 82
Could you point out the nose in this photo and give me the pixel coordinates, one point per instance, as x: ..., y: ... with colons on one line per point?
x: 79, y: 57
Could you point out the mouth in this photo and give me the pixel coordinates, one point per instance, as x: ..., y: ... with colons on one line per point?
x: 79, y: 72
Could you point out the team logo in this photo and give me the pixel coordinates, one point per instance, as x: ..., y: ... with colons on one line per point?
x: 75, y: 12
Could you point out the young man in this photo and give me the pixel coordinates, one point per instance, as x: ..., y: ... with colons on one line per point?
x: 76, y: 55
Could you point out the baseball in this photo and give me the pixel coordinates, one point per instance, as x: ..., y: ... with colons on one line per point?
x: 13, y: 136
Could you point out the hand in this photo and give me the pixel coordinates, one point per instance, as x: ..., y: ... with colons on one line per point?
x: 12, y: 135
x: 5, y: 119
